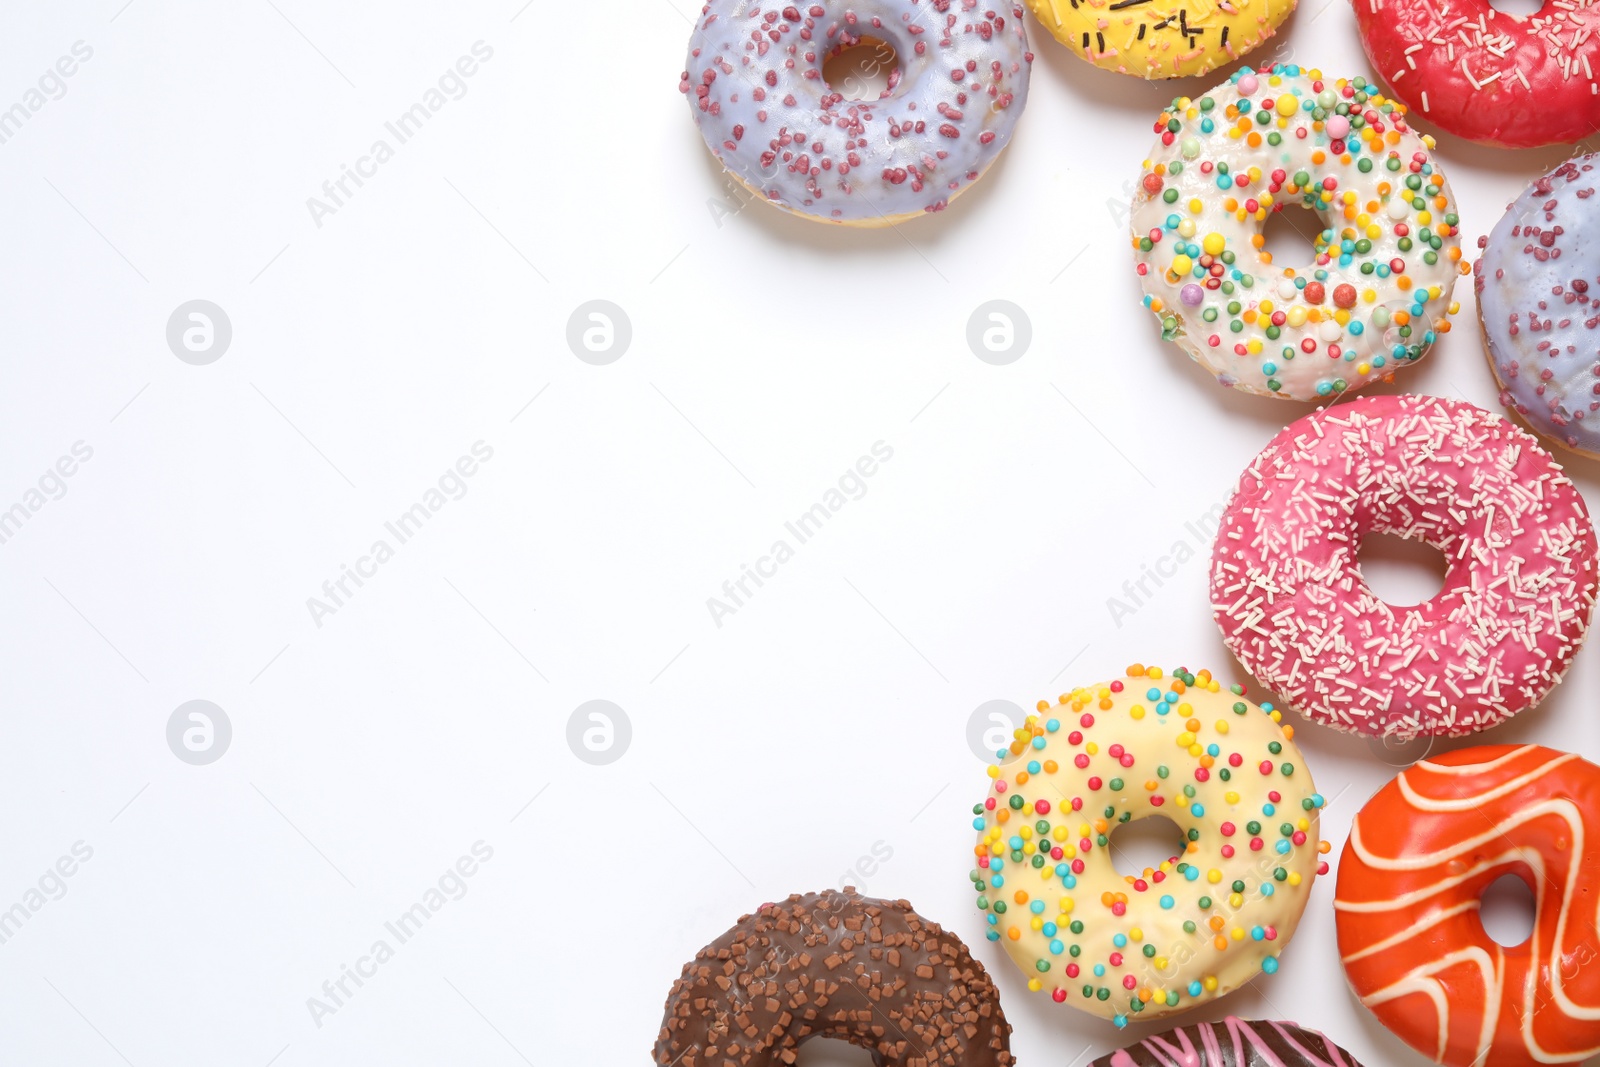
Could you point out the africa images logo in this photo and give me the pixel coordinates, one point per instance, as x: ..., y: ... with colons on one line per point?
x: 451, y: 885
x: 453, y: 484
x: 851, y: 485
x: 451, y: 85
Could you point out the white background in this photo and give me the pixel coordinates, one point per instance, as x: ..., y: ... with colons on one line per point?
x: 829, y: 715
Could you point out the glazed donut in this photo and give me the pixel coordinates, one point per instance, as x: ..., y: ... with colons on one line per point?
x: 1161, y: 38
x: 1378, y: 291
x: 1419, y: 857
x: 1202, y: 923
x: 1538, y: 284
x: 1233, y: 1042
x: 1490, y: 76
x: 1287, y: 590
x: 837, y: 965
x: 756, y: 90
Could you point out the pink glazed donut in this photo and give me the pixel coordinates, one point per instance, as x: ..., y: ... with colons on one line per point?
x: 1287, y: 589
x: 757, y: 92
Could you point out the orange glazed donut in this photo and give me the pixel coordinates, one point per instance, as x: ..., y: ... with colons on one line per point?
x: 1419, y: 857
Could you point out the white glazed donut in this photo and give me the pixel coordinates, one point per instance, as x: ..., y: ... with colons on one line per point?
x: 757, y: 92
x: 1377, y: 293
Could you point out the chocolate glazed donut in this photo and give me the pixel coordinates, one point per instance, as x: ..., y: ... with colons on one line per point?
x: 838, y: 965
x: 1232, y: 1043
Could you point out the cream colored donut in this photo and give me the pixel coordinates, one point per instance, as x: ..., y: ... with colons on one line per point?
x: 1374, y: 293
x: 1127, y: 948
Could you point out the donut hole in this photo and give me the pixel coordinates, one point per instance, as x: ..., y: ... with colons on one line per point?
x: 1145, y: 844
x: 1400, y: 570
x: 832, y: 1052
x: 1290, y: 235
x: 1519, y: 8
x: 868, y: 69
x: 1507, y: 910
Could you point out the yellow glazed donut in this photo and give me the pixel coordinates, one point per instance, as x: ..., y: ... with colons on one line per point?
x: 1125, y: 947
x: 1161, y: 38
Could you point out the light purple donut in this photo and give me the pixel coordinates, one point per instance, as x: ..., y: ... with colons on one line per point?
x: 757, y: 92
x: 1538, y: 284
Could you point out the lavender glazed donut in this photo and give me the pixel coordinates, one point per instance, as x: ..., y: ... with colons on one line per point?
x: 757, y: 92
x: 1538, y: 284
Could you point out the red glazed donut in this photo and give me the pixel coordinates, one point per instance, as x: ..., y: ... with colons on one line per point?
x: 1486, y: 75
x: 1419, y: 857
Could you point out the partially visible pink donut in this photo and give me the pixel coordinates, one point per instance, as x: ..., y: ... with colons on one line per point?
x: 1287, y: 589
